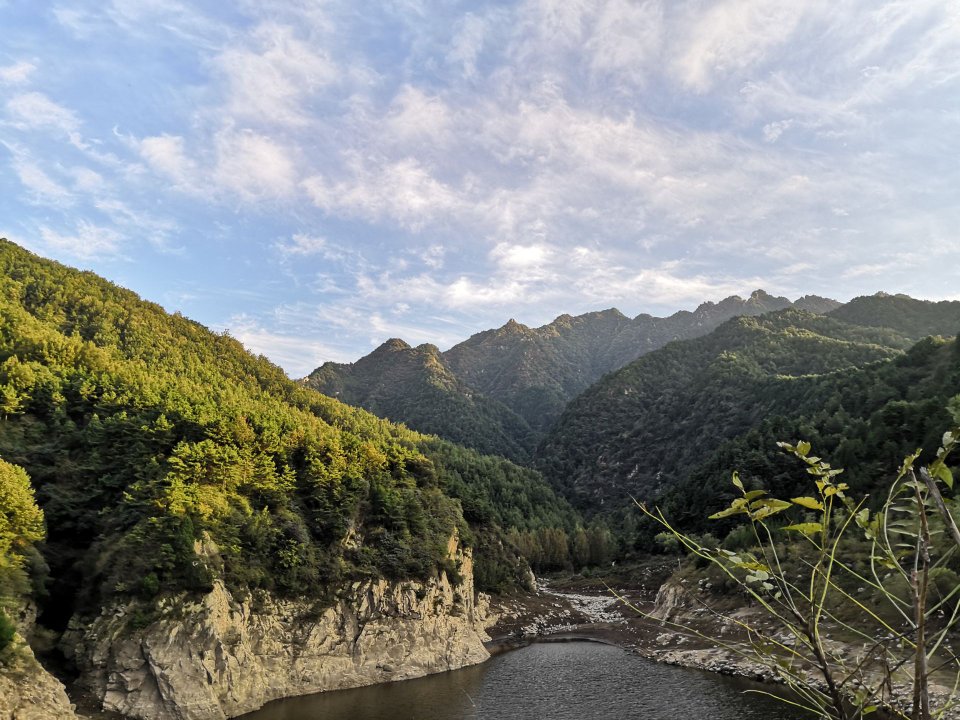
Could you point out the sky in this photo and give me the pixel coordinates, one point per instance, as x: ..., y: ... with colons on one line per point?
x: 316, y: 176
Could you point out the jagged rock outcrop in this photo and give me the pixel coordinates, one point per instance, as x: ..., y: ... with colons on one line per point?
x: 27, y: 690
x: 220, y: 657
x: 672, y: 599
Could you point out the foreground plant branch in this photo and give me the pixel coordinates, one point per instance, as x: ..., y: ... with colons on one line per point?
x: 896, y: 638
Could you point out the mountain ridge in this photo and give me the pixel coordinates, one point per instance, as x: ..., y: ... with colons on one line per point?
x: 520, y: 378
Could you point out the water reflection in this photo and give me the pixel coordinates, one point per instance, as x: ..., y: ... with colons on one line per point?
x: 552, y: 681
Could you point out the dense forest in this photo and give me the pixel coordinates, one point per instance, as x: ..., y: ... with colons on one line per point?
x: 21, y: 528
x: 640, y: 430
x: 865, y: 420
x: 164, y: 456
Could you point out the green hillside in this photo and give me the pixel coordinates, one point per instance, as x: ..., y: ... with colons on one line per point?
x: 414, y: 386
x: 165, y: 455
x: 913, y: 318
x: 640, y: 430
x: 865, y: 420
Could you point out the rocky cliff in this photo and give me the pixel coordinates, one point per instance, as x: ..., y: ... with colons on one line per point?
x: 27, y: 690
x: 219, y: 657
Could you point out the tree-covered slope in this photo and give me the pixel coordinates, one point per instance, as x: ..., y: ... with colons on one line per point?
x: 21, y: 528
x: 165, y: 455
x: 908, y: 316
x: 865, y: 420
x: 414, y: 386
x: 641, y: 429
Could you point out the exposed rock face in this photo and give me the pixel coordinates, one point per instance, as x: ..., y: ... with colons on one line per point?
x: 671, y: 600
x: 219, y: 658
x: 27, y: 690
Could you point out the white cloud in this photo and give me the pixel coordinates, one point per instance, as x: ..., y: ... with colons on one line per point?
x: 733, y: 36
x: 271, y: 81
x: 416, y: 115
x: 433, y: 256
x: 16, y: 74
x: 520, y: 257
x: 87, y: 180
x: 467, y: 44
x: 166, y: 154
x: 627, y: 40
x: 404, y: 192
x: 34, y: 110
x: 305, y: 245
x: 297, y: 354
x: 139, y: 18
x: 86, y: 242
x: 253, y: 165
x: 42, y: 188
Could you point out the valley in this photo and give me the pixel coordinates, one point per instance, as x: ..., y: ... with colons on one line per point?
x: 191, y: 534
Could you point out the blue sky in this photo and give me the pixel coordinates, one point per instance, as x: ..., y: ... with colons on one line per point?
x: 318, y: 176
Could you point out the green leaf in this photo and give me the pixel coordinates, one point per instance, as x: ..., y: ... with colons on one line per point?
x: 803, y: 447
x: 808, y: 502
x: 769, y: 503
x: 739, y: 505
x: 736, y: 480
x: 944, y: 474
x: 767, y: 507
x: 806, y: 528
x: 754, y: 494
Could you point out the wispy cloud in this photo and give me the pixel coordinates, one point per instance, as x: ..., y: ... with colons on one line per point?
x: 36, y: 111
x: 41, y: 188
x: 16, y: 74
x: 426, y: 169
x: 85, y: 242
x: 296, y: 354
x: 270, y: 79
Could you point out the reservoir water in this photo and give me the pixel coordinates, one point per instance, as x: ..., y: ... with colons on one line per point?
x: 544, y: 681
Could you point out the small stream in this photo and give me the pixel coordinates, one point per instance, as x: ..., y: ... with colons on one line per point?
x: 544, y: 681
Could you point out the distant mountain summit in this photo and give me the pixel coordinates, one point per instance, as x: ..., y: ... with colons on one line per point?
x: 500, y: 390
x: 914, y: 318
x: 415, y: 386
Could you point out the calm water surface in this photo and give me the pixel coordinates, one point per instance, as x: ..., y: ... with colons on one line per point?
x: 545, y: 681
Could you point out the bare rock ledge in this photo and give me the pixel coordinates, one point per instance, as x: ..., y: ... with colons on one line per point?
x: 218, y: 657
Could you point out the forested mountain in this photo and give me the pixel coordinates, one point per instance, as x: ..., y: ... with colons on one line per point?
x: 466, y: 393
x: 911, y: 317
x: 414, y: 386
x: 164, y: 455
x: 639, y: 431
x: 865, y: 420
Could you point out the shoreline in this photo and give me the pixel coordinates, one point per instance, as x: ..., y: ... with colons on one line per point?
x: 645, y: 635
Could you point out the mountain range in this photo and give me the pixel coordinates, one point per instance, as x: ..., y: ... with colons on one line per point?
x: 610, y: 408
x: 500, y: 390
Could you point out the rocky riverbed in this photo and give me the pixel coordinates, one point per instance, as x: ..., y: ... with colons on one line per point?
x: 647, y: 625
